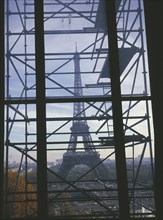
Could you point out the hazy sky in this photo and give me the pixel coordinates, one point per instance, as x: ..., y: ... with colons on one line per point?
x: 60, y: 67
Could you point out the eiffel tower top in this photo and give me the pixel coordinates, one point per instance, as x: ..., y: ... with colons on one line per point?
x: 76, y: 55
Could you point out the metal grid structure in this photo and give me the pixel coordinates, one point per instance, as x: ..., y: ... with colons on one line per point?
x: 40, y: 97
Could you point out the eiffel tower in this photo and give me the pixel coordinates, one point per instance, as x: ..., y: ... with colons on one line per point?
x: 80, y: 128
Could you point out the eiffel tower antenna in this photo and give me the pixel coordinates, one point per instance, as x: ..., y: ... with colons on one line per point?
x: 76, y: 47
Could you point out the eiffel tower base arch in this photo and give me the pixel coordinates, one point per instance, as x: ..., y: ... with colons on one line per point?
x: 89, y: 158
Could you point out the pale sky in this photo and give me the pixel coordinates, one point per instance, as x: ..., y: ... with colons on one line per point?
x: 55, y: 45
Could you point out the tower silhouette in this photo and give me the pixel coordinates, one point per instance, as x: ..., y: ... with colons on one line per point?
x: 80, y: 128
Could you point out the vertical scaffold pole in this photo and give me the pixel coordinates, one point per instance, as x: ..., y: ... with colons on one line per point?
x: 117, y: 112
x: 154, y: 33
x: 41, y: 112
x: 2, y: 75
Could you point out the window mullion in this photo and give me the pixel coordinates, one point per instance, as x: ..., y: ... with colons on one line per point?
x: 41, y: 111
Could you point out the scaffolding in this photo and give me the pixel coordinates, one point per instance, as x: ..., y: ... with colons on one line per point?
x: 34, y: 108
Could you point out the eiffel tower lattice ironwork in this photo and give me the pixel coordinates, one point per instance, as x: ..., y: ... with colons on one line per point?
x: 80, y: 128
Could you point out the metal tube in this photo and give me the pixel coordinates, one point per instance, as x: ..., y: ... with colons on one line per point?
x: 117, y: 112
x: 42, y: 194
x: 154, y: 31
x: 2, y: 75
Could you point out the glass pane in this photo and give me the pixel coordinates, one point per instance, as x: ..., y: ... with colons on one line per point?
x: 20, y: 50
x: 21, y: 160
x: 137, y: 117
